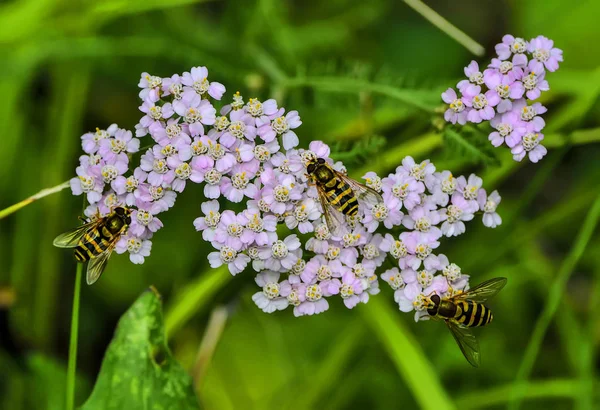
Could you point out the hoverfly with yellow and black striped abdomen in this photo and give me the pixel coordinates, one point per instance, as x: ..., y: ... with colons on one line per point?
x: 339, y: 195
x: 466, y: 310
x: 95, y: 240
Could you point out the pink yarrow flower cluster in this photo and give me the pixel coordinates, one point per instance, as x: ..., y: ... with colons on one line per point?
x: 262, y: 213
x: 504, y: 95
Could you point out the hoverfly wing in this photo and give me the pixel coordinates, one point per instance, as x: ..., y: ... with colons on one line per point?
x: 363, y: 193
x: 484, y: 290
x: 468, y: 344
x: 71, y: 238
x: 97, y: 265
x: 335, y: 220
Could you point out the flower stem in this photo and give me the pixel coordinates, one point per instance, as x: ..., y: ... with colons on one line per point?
x: 71, y: 369
x: 44, y: 192
x: 447, y: 27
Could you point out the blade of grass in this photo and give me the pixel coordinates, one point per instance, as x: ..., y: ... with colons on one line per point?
x: 447, y: 27
x: 72, y: 365
x: 43, y: 193
x: 390, y: 159
x: 539, y: 389
x: 587, y: 354
x: 212, y: 335
x: 323, y: 379
x: 426, y: 100
x: 194, y: 297
x: 553, y: 301
x: 411, y: 362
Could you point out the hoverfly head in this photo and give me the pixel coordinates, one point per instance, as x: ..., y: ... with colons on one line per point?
x: 435, y: 300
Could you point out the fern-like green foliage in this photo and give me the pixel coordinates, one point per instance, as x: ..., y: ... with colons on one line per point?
x: 358, y: 152
x: 471, y: 144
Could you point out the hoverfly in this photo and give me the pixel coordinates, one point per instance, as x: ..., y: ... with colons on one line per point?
x: 464, y: 311
x: 95, y: 240
x: 339, y: 195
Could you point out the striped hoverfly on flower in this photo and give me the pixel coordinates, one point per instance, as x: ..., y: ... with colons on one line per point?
x: 466, y: 310
x: 94, y: 241
x: 340, y: 196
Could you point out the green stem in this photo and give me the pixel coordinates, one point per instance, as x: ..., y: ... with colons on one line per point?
x: 553, y: 302
x: 434, y: 18
x: 44, y: 192
x: 71, y: 369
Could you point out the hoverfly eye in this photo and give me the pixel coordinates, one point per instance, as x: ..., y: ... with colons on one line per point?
x: 311, y: 168
x: 435, y: 299
x: 120, y: 211
x: 128, y: 220
x: 320, y: 160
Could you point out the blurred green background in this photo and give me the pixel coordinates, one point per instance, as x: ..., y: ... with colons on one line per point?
x: 357, y: 71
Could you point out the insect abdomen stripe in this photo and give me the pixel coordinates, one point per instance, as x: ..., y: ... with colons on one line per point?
x: 488, y: 316
x: 341, y: 196
x: 476, y: 314
x: 80, y: 254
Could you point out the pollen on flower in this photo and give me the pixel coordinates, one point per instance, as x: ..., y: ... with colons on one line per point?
x: 198, y: 148
x: 370, y: 251
x: 237, y: 129
x: 530, y: 81
x: 448, y: 185
x: 212, y: 219
x: 518, y: 46
x: 530, y: 141
x: 144, y: 217
x: 240, y: 180
x: 333, y: 252
x: 238, y: 101
x: 227, y: 254
x: 173, y: 130
x: 131, y: 184
x: 183, y: 171
x: 346, y: 291
x: 313, y: 293
x: 168, y: 150
x: 213, y: 177
x: 480, y: 101
x: 423, y: 224
x: 156, y: 192
x: 155, y: 112
x: 281, y: 193
x: 254, y: 107
x: 271, y: 290
x: 398, y: 250
x: 216, y: 151
x: 134, y: 244
x: 300, y: 213
x: 160, y: 166
x: 235, y: 230
x: 192, y: 115
x: 280, y: 125
x: 528, y: 112
x: 421, y: 303
x: 379, y: 212
x: 293, y: 298
x: 87, y: 183
x: 109, y: 173
x: 201, y: 86
x: 222, y: 123
x: 262, y: 153
x: 452, y: 272
x: 374, y: 183
x: 279, y: 250
x: 453, y: 213
x: 324, y: 272
x: 299, y: 266
x: 117, y: 146
x: 457, y: 105
x: 424, y: 278
x: 423, y: 251
x: 396, y: 281
x: 506, y: 66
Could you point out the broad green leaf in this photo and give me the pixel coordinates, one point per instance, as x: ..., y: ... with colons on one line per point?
x: 138, y: 370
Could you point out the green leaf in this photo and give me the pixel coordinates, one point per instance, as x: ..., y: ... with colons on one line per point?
x: 138, y: 370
